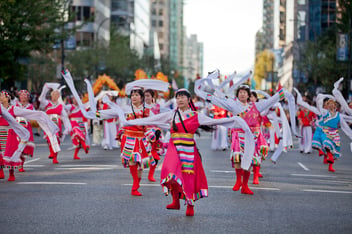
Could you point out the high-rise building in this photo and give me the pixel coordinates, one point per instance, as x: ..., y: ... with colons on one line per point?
x: 176, y: 34
x: 193, y: 57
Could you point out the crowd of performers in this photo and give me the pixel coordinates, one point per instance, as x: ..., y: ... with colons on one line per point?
x: 146, y: 130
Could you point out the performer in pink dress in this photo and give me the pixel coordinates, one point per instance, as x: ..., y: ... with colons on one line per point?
x: 56, y: 111
x: 24, y: 96
x: 79, y: 131
x: 182, y: 172
x: 250, y: 112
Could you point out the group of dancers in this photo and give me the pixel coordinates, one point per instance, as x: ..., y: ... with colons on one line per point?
x: 144, y: 129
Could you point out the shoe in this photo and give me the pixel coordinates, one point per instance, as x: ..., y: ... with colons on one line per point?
x: 190, y: 210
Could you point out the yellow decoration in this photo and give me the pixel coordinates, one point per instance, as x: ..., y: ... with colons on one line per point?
x: 99, y: 83
x: 140, y: 74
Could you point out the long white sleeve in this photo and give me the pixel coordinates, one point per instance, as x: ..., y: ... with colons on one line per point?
x: 339, y: 97
x: 345, y: 127
x: 42, y: 98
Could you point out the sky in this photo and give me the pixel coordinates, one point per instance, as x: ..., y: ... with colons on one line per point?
x: 227, y: 28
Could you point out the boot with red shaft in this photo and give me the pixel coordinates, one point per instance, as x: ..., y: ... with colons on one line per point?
x: 135, y: 186
x: 75, y: 156
x: 245, y: 189
x: 2, y: 175
x: 175, y: 205
x: 255, y: 174
x: 330, y: 166
x: 330, y: 157
x: 51, y: 155
x: 22, y: 163
x: 55, y: 158
x: 190, y: 210
x: 11, y: 175
x: 85, y: 147
x: 238, y: 184
x: 260, y: 175
x: 151, y: 173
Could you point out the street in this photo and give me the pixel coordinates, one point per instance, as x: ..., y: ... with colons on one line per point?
x: 92, y: 195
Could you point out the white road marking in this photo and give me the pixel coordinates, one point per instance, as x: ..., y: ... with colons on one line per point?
x: 304, y: 167
x: 53, y: 183
x: 326, y: 191
x: 89, y: 165
x: 307, y: 175
x: 32, y: 160
x: 85, y: 168
x: 222, y: 171
x: 30, y: 165
x: 211, y: 186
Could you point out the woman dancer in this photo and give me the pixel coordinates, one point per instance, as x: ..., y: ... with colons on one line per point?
x: 250, y: 112
x: 326, y: 138
x: 182, y: 172
x: 56, y: 111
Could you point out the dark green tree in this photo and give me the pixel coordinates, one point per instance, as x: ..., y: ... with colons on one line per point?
x: 27, y: 26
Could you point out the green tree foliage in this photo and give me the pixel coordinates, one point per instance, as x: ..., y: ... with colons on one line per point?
x: 27, y: 26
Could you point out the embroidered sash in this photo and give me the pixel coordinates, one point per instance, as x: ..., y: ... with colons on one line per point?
x: 184, y: 143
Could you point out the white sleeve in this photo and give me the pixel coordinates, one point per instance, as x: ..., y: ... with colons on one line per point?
x: 42, y: 97
x: 339, y: 97
x: 162, y: 120
x: 345, y: 127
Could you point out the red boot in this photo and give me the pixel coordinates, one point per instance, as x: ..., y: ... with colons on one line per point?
x: 2, y: 175
x: 22, y: 163
x: 75, y: 156
x: 330, y: 167
x: 330, y: 157
x: 260, y: 175
x: 321, y: 153
x: 255, y: 174
x: 175, y: 205
x: 238, y: 184
x: 51, y: 155
x: 151, y: 173
x: 85, y: 147
x: 190, y: 210
x: 55, y: 159
x: 12, y: 175
x: 135, y: 186
x: 325, y: 160
x: 245, y: 189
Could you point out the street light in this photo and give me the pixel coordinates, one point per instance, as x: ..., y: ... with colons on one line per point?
x: 96, y: 44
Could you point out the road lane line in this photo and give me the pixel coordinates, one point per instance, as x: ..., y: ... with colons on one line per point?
x: 52, y: 183
x: 222, y: 171
x: 326, y: 191
x: 307, y: 175
x: 31, y: 165
x: 211, y: 186
x: 32, y: 160
x: 89, y: 165
x: 304, y: 167
x: 84, y: 168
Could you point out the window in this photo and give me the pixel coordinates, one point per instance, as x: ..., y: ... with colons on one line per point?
x: 160, y: 11
x: 153, y: 23
x: 161, y: 23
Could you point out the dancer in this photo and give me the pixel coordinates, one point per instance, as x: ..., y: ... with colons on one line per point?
x: 219, y: 136
x: 306, y: 119
x: 23, y: 102
x: 182, y: 172
x: 79, y: 130
x: 326, y: 138
x: 250, y: 112
x: 56, y: 111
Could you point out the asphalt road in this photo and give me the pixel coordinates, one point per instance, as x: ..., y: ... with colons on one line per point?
x: 92, y: 195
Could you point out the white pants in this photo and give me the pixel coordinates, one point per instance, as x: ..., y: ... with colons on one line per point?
x: 219, y: 138
x: 305, y: 143
x: 110, y: 130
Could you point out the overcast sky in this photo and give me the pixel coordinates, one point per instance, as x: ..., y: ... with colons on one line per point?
x: 227, y: 28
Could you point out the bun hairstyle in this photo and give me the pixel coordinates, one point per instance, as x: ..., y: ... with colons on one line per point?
x: 246, y: 88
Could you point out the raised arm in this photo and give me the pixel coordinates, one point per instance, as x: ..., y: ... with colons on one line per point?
x: 305, y: 104
x: 339, y: 97
x: 162, y: 120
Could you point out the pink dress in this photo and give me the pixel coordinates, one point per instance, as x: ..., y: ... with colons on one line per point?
x: 13, y: 140
x: 182, y: 165
x: 78, y: 131
x: 54, y: 112
x: 254, y: 121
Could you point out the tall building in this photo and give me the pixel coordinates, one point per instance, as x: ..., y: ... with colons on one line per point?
x: 268, y: 24
x: 132, y: 18
x: 160, y: 24
x: 193, y: 57
x: 176, y: 34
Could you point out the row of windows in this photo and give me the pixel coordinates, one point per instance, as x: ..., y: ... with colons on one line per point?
x: 82, y: 13
x: 161, y: 11
x: 161, y: 23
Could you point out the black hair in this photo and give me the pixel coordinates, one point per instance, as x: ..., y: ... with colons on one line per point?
x: 141, y: 93
x: 152, y: 93
x: 254, y: 94
x: 246, y: 88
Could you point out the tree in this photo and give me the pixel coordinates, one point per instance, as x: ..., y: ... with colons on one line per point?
x: 26, y: 27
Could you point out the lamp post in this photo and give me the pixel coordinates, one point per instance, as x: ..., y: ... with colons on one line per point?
x: 96, y: 45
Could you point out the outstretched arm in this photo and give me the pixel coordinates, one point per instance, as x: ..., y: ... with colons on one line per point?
x: 339, y: 97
